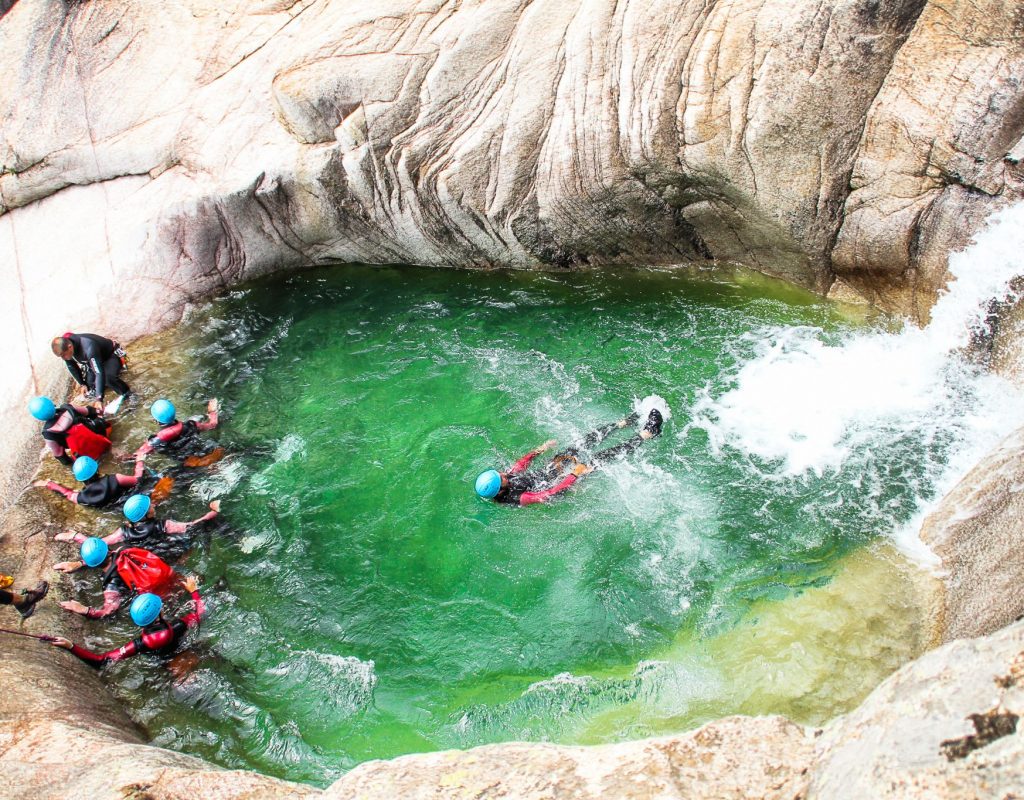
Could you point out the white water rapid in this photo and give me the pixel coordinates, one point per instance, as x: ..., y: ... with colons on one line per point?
x: 812, y: 403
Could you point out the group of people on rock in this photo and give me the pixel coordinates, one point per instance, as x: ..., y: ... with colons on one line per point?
x: 130, y: 559
x: 133, y: 559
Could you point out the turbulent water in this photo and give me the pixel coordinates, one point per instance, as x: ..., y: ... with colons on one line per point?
x: 364, y: 603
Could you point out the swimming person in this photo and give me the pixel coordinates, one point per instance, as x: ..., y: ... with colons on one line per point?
x: 96, y: 554
x: 71, y: 431
x: 95, y: 362
x: 143, y: 529
x: 99, y: 491
x: 517, y: 486
x: 181, y: 440
x: 158, y: 635
x: 24, y: 602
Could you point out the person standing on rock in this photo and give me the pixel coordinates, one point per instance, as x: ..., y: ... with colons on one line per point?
x: 158, y: 635
x: 95, y: 362
x: 24, y: 601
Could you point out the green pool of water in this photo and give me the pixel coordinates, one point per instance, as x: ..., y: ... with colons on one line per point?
x: 364, y: 603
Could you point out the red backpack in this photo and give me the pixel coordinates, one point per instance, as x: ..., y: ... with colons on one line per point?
x: 145, y: 572
x: 83, y: 441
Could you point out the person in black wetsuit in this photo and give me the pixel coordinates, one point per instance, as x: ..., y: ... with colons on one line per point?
x: 24, y: 602
x: 99, y: 491
x: 518, y: 486
x: 163, y: 537
x: 71, y: 431
x: 95, y: 362
x: 181, y: 440
x: 95, y: 554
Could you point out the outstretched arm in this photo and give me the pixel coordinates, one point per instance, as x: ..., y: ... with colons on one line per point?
x: 171, y: 526
x: 192, y: 587
x: 133, y: 480
x: 97, y: 659
x: 212, y: 411
x: 524, y: 462
x: 111, y: 602
x: 53, y: 486
x: 529, y: 498
x: 168, y: 434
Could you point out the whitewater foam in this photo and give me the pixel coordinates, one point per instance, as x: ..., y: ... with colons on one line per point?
x: 813, y: 403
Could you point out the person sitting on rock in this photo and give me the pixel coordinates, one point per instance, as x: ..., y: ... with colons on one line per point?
x: 143, y: 529
x: 96, y: 554
x: 24, y: 602
x: 158, y: 635
x: 71, y: 431
x: 517, y: 486
x: 181, y: 440
x: 99, y: 491
x: 95, y: 362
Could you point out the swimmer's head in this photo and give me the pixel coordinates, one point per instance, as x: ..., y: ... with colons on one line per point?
x: 488, y: 483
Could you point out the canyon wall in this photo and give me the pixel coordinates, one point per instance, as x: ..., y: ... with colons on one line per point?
x: 156, y: 153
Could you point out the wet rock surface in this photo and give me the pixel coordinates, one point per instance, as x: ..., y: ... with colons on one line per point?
x: 930, y: 730
x: 976, y: 531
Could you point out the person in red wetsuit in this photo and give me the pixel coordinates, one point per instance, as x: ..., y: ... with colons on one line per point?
x: 158, y: 635
x: 521, y: 486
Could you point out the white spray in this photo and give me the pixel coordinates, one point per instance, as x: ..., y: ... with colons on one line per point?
x: 806, y: 406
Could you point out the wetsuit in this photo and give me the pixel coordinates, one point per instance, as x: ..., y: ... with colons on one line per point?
x: 115, y: 590
x: 75, y: 431
x: 96, y: 363
x: 158, y: 536
x: 180, y: 440
x: 101, y: 491
x: 525, y: 488
x: 160, y: 637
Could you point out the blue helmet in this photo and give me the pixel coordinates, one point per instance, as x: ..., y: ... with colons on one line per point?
x: 84, y: 467
x: 145, y: 608
x: 488, y: 483
x: 163, y: 411
x: 136, y: 507
x: 42, y: 408
x: 94, y: 552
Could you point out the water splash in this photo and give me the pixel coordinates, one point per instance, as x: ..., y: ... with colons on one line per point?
x: 811, y: 403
